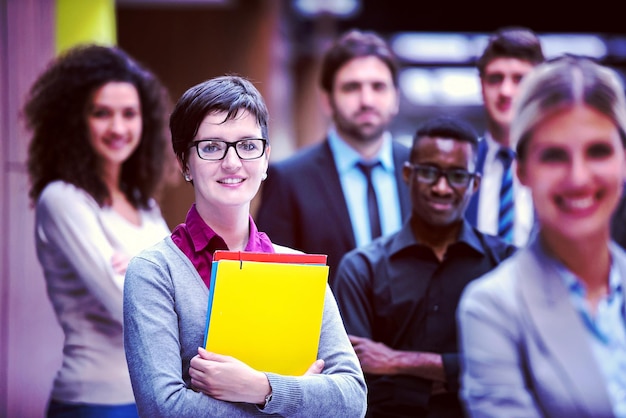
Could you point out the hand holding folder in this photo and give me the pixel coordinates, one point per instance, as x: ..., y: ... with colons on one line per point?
x: 266, y: 309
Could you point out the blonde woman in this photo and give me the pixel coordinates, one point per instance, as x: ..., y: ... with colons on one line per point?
x: 544, y: 333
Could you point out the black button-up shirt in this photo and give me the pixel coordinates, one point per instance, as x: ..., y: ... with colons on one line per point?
x: 397, y: 292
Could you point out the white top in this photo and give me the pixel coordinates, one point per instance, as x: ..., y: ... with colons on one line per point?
x: 75, y: 240
x: 489, y: 198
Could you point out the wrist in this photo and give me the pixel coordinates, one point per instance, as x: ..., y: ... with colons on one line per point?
x: 265, y: 392
x: 401, y: 362
x: 268, y: 398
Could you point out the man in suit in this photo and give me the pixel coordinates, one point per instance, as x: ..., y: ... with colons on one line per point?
x: 346, y: 190
x: 398, y: 295
x: 502, y: 206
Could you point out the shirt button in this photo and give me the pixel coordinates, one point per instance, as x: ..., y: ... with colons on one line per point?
x: 435, y: 308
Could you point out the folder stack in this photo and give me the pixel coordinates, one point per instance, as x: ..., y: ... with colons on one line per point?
x: 266, y: 309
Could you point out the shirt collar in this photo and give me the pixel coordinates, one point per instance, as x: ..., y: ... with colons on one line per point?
x: 202, y: 234
x: 577, y: 287
x: 258, y: 242
x: 492, y: 146
x: 346, y: 157
x: 469, y: 236
x: 405, y: 239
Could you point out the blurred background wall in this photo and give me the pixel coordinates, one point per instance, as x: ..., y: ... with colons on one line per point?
x: 30, y: 338
x: 277, y: 44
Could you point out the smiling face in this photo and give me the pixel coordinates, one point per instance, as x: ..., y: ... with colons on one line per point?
x: 363, y: 100
x: 440, y: 204
x: 575, y: 167
x: 114, y: 122
x: 229, y: 182
x: 500, y: 85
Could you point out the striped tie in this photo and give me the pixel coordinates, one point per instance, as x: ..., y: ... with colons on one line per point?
x: 372, y: 201
x: 506, y: 215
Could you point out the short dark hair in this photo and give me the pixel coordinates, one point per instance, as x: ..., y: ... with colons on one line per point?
x: 55, y: 113
x: 355, y: 44
x: 511, y: 42
x: 230, y: 94
x: 445, y: 127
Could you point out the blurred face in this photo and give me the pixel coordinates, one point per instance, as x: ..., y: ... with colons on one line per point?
x: 575, y: 169
x: 114, y: 122
x: 500, y: 85
x: 437, y: 202
x: 230, y: 182
x: 364, y: 99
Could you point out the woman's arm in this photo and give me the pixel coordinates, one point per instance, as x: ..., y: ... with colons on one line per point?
x: 228, y: 379
x: 493, y: 382
x: 154, y: 345
x: 339, y: 390
x: 68, y: 224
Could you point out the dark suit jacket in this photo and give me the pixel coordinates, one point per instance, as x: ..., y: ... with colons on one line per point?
x: 303, y: 207
x: 471, y: 213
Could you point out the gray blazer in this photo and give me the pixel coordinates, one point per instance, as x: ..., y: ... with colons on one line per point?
x: 524, y: 346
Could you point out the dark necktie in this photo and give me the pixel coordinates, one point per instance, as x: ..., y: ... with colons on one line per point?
x: 506, y: 215
x: 372, y: 202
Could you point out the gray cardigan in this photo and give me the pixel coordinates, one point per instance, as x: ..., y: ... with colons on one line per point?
x: 165, y: 306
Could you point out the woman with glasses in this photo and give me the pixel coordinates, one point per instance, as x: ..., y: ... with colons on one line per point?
x: 97, y: 156
x: 544, y: 335
x: 219, y: 134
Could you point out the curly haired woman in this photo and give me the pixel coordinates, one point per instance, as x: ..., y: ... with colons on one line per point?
x: 96, y: 160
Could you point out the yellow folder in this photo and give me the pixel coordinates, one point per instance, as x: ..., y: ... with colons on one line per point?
x: 267, y: 314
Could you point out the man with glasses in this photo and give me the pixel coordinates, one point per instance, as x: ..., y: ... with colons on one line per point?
x: 398, y: 295
x: 348, y: 189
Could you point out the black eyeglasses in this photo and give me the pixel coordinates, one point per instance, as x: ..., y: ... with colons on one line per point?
x: 430, y: 175
x: 215, y: 150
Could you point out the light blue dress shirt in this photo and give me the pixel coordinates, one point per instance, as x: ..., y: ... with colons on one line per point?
x: 607, y: 333
x: 354, y: 185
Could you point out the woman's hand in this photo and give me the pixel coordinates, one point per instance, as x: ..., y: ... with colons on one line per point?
x: 316, y: 368
x: 119, y: 262
x: 228, y: 379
